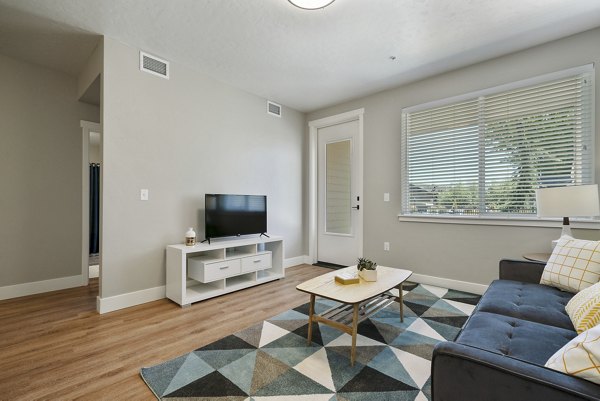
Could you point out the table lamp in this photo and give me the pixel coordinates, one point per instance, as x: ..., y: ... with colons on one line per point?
x: 565, y: 202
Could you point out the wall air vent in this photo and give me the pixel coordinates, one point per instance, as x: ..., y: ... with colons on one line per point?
x: 273, y: 108
x: 154, y: 65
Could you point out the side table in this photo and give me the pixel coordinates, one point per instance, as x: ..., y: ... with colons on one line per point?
x: 537, y: 257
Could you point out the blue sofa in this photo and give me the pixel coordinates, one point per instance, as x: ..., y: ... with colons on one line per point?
x: 501, y: 351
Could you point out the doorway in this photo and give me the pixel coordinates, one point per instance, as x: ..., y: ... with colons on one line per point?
x: 335, y: 206
x: 90, y: 200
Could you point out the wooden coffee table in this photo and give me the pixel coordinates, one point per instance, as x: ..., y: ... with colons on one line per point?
x: 358, y: 301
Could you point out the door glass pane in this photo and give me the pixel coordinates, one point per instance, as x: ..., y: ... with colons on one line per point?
x: 338, y: 203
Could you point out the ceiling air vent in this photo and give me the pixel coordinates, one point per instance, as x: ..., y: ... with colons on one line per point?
x: 154, y: 65
x: 273, y: 108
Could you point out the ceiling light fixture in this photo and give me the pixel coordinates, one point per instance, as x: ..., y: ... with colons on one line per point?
x: 311, y: 4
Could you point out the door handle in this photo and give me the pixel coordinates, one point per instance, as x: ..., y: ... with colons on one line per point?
x: 357, y: 207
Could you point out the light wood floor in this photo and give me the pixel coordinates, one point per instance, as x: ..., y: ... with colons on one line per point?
x: 55, y: 345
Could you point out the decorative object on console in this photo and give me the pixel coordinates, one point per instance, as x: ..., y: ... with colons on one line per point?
x: 580, y: 356
x: 190, y: 237
x: 573, y: 265
x: 311, y: 4
x: 584, y: 308
x: 347, y: 278
x: 367, y: 269
x: 565, y: 202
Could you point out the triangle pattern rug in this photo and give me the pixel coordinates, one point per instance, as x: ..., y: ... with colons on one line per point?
x: 271, y: 361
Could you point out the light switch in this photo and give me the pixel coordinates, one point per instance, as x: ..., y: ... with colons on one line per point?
x: 144, y: 194
x: 386, y: 246
x: 386, y: 197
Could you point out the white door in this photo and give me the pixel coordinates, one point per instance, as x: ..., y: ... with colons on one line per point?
x: 339, y: 226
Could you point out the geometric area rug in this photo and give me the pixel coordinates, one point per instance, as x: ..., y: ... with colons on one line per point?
x: 271, y: 360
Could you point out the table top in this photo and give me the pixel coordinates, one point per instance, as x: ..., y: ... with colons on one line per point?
x: 325, y: 286
x: 537, y: 257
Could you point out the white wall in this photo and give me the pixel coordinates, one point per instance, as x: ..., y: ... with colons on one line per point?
x: 94, y: 152
x: 460, y: 252
x: 182, y: 138
x: 91, y: 69
x: 40, y: 174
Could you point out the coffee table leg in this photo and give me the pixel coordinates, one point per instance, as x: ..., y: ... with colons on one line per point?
x: 354, y: 331
x: 401, y: 303
x: 311, y: 312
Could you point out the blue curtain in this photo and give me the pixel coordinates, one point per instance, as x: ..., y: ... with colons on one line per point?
x: 94, y: 208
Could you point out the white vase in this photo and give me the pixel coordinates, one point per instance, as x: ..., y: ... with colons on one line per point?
x: 190, y: 237
x: 368, y: 275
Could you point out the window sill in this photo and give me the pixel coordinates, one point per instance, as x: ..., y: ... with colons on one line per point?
x: 586, y: 224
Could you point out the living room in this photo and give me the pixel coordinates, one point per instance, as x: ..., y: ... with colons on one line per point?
x: 192, y: 134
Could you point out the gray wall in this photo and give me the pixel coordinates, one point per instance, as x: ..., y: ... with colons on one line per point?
x: 40, y: 173
x: 182, y: 138
x: 460, y: 252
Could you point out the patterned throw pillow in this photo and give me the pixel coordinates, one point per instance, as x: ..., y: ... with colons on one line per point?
x: 573, y: 265
x: 584, y: 308
x: 580, y: 356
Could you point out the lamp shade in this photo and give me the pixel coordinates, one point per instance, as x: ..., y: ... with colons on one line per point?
x: 311, y: 4
x: 571, y: 201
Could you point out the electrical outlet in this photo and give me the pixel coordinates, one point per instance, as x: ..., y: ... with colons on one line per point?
x: 386, y: 246
x: 144, y: 194
x: 386, y: 197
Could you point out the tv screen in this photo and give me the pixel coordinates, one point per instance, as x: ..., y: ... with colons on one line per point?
x: 234, y: 215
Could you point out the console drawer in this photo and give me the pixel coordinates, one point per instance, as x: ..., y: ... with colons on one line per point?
x: 257, y: 262
x: 206, y: 272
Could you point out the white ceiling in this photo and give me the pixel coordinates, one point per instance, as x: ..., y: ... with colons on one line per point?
x: 303, y: 59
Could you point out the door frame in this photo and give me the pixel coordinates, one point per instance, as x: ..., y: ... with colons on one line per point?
x: 314, y: 126
x: 86, y: 128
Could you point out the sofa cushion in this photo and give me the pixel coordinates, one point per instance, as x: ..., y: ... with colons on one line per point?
x: 521, y: 339
x: 527, y: 301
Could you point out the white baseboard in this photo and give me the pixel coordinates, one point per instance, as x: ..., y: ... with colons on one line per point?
x: 38, y: 287
x: 109, y: 304
x: 298, y: 260
x: 465, y: 286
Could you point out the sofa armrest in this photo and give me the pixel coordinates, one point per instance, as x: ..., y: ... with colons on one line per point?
x: 521, y: 270
x: 461, y: 372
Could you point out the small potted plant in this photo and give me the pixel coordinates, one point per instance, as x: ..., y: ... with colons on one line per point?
x: 367, y: 269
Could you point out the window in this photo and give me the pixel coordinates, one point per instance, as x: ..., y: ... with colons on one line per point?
x: 485, y: 153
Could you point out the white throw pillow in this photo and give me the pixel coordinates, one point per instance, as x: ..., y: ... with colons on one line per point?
x: 580, y: 356
x: 584, y: 308
x: 573, y: 265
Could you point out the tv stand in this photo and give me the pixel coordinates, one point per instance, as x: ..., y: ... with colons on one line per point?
x: 202, y: 271
x: 265, y: 234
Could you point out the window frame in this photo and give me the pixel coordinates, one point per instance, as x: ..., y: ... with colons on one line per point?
x: 506, y: 220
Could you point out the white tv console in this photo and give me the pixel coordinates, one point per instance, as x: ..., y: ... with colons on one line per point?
x: 203, y: 271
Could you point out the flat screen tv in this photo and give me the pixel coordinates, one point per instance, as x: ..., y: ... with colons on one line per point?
x: 234, y: 215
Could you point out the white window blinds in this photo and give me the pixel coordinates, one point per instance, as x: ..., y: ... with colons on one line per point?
x: 487, y: 153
